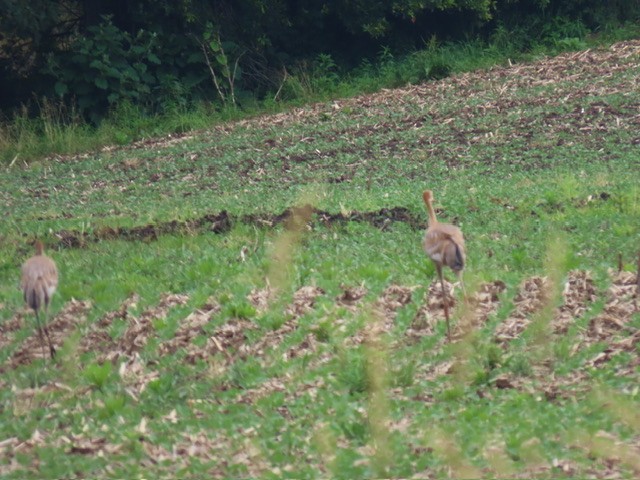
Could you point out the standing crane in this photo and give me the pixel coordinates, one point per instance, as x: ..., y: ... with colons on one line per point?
x: 444, y: 244
x: 38, y: 283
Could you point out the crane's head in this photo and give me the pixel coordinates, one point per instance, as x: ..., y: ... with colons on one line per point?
x: 427, y: 195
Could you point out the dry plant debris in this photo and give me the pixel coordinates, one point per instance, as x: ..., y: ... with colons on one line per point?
x: 266, y: 388
x: 259, y: 298
x: 135, y: 375
x: 532, y: 296
x: 482, y: 304
x: 123, y: 312
x: 226, y: 340
x: 9, y: 327
x: 579, y: 291
x: 190, y: 328
x: 351, y: 296
x: 618, y: 310
x: 139, y: 330
x: 476, y: 309
x: 303, y: 301
x: 72, y: 315
x: 383, y: 313
x: 82, y: 445
x: 432, y: 309
x: 97, y: 339
x: 11, y: 447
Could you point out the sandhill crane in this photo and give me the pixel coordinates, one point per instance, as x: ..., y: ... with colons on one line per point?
x: 444, y: 244
x: 38, y: 283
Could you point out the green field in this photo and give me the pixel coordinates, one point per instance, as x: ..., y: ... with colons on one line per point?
x: 253, y: 300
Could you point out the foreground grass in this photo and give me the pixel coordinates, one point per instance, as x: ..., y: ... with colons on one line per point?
x: 539, y: 167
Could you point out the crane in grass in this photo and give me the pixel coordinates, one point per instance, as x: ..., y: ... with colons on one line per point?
x: 38, y: 283
x: 444, y: 244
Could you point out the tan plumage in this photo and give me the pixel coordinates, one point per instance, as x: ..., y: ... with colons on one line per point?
x: 38, y: 283
x: 444, y: 244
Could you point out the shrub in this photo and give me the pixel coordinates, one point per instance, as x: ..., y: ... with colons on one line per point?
x: 106, y: 67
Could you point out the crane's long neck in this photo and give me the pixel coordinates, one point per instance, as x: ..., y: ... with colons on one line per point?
x: 39, y: 248
x: 432, y: 214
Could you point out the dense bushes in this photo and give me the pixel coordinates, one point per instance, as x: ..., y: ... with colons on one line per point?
x: 163, y: 55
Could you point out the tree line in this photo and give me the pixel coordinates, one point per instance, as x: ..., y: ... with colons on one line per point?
x: 157, y: 54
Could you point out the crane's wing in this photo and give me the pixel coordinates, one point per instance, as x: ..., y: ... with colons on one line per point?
x: 445, y: 245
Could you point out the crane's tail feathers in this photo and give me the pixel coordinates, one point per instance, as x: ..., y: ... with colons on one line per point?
x: 459, y: 264
x: 459, y: 257
x: 36, y: 294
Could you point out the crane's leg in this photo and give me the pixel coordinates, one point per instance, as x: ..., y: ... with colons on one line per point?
x: 44, y: 355
x: 52, y: 350
x: 444, y: 301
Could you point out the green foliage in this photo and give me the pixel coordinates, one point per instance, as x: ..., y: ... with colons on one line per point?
x: 113, y: 405
x: 404, y: 374
x: 493, y: 358
x: 239, y: 309
x: 322, y: 330
x: 220, y: 63
x: 303, y: 51
x: 271, y: 320
x: 520, y: 364
x: 311, y: 80
x: 98, y: 374
x: 353, y: 371
x: 107, y: 67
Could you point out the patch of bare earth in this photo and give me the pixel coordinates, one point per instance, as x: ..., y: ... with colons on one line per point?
x: 82, y: 444
x: 8, y: 328
x: 97, y: 339
x: 532, y: 296
x: 480, y: 306
x: 579, y: 291
x: 190, y: 328
x: 612, y: 322
x: 73, y: 313
x: 12, y: 447
x: 432, y: 309
x: 225, y: 340
x: 136, y: 375
x: 191, y: 446
x: 351, y: 296
x: 259, y: 298
x: 220, y: 451
x: 384, y: 312
x: 476, y: 309
x: 140, y: 329
x: 303, y: 301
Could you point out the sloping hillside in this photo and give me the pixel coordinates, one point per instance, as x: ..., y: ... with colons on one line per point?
x: 253, y: 300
